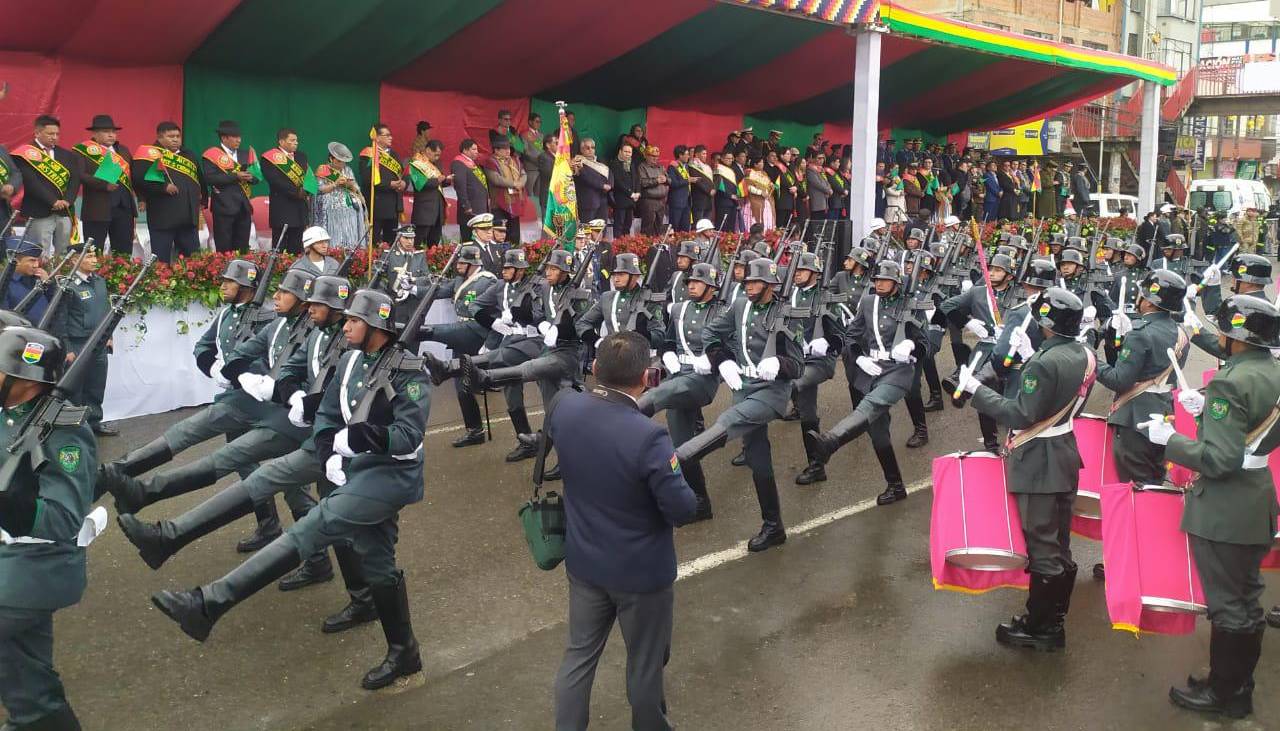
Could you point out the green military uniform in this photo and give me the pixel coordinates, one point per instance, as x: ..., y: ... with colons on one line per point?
x: 85, y: 305
x: 42, y: 571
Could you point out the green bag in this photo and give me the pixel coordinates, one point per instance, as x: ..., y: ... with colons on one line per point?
x: 543, y: 516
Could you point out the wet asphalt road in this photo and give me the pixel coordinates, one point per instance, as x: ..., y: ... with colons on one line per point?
x: 837, y: 629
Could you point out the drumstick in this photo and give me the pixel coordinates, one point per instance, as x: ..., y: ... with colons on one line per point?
x: 1026, y: 323
x: 965, y: 371
x: 1124, y: 281
x: 1182, y: 378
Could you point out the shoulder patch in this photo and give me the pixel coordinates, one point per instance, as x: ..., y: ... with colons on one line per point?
x: 1029, y: 384
x: 413, y: 391
x: 1219, y: 408
x: 675, y: 464
x: 69, y: 458
x: 1125, y: 352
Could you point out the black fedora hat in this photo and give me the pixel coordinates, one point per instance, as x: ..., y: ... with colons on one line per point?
x: 103, y: 121
x: 228, y: 128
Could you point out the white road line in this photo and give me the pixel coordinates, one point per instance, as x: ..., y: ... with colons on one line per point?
x: 739, y: 551
x: 460, y: 427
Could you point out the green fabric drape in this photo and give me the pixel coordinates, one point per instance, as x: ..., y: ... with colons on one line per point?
x: 602, y: 124
x: 794, y: 134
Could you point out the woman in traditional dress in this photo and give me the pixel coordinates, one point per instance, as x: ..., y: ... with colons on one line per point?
x: 339, y: 207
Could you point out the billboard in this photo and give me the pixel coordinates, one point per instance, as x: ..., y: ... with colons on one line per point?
x: 1025, y: 140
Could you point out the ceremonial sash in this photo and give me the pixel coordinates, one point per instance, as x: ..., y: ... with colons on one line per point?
x: 683, y: 171
x: 425, y: 168
x: 702, y: 169
x: 332, y: 174
x: 599, y: 167
x: 45, y: 164
x: 1038, y: 428
x: 727, y: 173
x: 287, y: 165
x: 476, y: 171
x: 385, y: 159
x: 168, y: 160
x: 4, y: 173
x: 96, y: 153
x: 1141, y: 386
x: 227, y: 164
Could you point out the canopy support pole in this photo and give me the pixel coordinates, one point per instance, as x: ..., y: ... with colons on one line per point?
x: 1150, y: 136
x: 866, y: 130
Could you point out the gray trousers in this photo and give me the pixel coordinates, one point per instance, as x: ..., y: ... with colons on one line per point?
x: 1230, y: 575
x: 506, y: 358
x: 646, y: 621
x: 370, y: 526
x: 556, y: 369
x: 52, y: 232
x: 94, y: 387
x: 215, y: 420
x: 805, y: 395
x: 1137, y: 459
x: 1046, y: 526
x: 748, y: 418
x: 29, y: 686
x: 291, y: 474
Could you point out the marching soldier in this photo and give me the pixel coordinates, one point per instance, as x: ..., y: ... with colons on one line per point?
x: 226, y: 172
x: 289, y: 203
x: 1251, y: 273
x: 757, y: 353
x: 1230, y: 511
x: 1044, y: 472
x: 627, y: 307
x: 85, y: 305
x: 971, y: 311
x: 823, y: 341
x: 377, y: 467
x: 1127, y: 275
x: 168, y: 177
x: 107, y: 208
x: 45, y: 570
x: 51, y: 179
x: 689, y: 253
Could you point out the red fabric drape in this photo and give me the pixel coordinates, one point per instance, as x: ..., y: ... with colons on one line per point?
x: 667, y: 128
x: 453, y: 116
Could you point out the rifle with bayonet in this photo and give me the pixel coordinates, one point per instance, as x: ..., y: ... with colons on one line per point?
x: 249, y: 316
x: 63, y: 286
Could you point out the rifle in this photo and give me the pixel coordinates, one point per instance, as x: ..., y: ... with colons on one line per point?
x: 824, y: 297
x: 644, y: 293
x: 40, y: 286
x: 9, y: 224
x: 54, y: 408
x: 523, y: 290
x: 726, y: 276
x: 64, y: 284
x: 378, y: 270
x: 344, y: 266
x: 244, y: 329
x: 574, y: 291
x: 399, y: 355
x: 776, y: 319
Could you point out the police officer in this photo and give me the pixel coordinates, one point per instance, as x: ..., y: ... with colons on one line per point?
x: 1173, y: 256
x: 84, y: 306
x: 1230, y: 511
x: 1127, y: 276
x: 406, y: 268
x: 757, y: 352
x: 823, y: 341
x: 315, y: 258
x: 28, y: 274
x: 627, y: 307
x: 971, y: 311
x: 1044, y: 471
x: 46, y: 570
x: 691, y: 384
x: 377, y: 466
x: 887, y: 335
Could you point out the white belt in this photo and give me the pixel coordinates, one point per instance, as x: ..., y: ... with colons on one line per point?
x: 880, y: 354
x: 749, y: 371
x: 531, y: 332
x: 687, y: 359
x: 1053, y: 431
x: 1158, y: 388
x: 1255, y: 462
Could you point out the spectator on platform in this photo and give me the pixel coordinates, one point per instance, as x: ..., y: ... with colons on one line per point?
x: 626, y: 190
x: 702, y: 184
x: 991, y: 193
x: 531, y: 157
x: 339, y: 207
x: 51, y: 175
x: 506, y: 186
x: 546, y: 163
x: 1009, y: 191
x: 654, y: 187
x: 759, y: 188
x: 912, y: 191
x: 679, y: 210
x: 635, y: 138
x: 819, y: 186
x: 592, y: 180
x: 469, y: 185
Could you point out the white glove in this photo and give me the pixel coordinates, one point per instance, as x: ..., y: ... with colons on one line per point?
x: 501, y: 327
x: 965, y: 285
x: 731, y: 374
x: 1213, y: 277
x: 259, y: 387
x: 1020, y: 344
x: 1191, y: 319
x: 508, y: 319
x: 333, y: 470
x: 769, y: 367
x: 341, y: 444
x: 1192, y: 401
x: 1090, y: 313
x: 868, y: 366
x: 818, y: 348
x: 671, y: 362
x: 598, y: 341
x: 977, y: 327
x: 929, y: 313
x: 1158, y: 430
x: 902, y: 351
x: 1122, y: 324
x: 405, y: 290
x: 968, y: 383
x: 215, y: 372
x: 550, y: 333
x: 702, y: 365
x: 296, y: 410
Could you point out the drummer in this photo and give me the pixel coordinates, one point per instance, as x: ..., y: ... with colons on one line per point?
x: 1234, y: 491
x: 1142, y: 377
x: 1251, y: 273
x: 1044, y: 472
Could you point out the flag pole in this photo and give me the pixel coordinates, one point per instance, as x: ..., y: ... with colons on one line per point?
x: 374, y: 158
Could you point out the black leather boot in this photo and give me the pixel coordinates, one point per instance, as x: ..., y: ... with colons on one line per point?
x: 1273, y: 617
x: 792, y: 415
x: 147, y: 457
x: 157, y: 542
x: 1037, y: 629
x: 919, y: 437
x: 815, y: 471
x: 1063, y: 588
x: 705, y: 443
x: 524, y: 449
x: 739, y: 459
x: 402, y: 647
x: 772, y: 533
x: 197, y: 610
x: 1196, y: 682
x: 268, y: 528
x: 893, y: 492
x: 476, y: 379
x: 849, y: 428
x: 317, y: 569
x: 439, y: 370
x: 360, y: 609
x: 1229, y: 688
x: 935, y: 401
x: 470, y: 437
x: 63, y: 719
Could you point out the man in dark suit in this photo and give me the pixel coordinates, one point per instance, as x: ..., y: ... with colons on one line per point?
x: 702, y: 180
x: 678, y: 203
x: 285, y: 170
x: 108, y: 209
x: 428, y: 200
x: 51, y: 175
x: 168, y: 177
x: 384, y: 199
x: 470, y: 186
x: 626, y: 190
x: 1081, y: 199
x: 592, y: 180
x: 225, y: 168
x: 624, y: 491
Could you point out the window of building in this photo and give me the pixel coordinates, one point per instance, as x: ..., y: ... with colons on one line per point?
x: 1177, y: 54
x: 1037, y: 34
x: 997, y: 26
x: 1068, y: 39
x: 1094, y: 46
x: 1131, y: 47
x: 1178, y: 8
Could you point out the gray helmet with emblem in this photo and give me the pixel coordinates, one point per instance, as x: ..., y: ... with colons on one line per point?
x: 1040, y: 273
x: 241, y: 271
x: 626, y: 264
x: 1136, y: 251
x: 1174, y: 241
x: 1252, y: 268
x: 888, y: 269
x: 561, y: 259
x: 746, y: 256
x: 470, y: 254
x: 916, y: 234
x: 9, y: 318
x: 705, y: 273
x: 1241, y: 317
x: 860, y: 256
x: 515, y: 258
x: 1076, y: 243
x: 1000, y: 261
x: 762, y: 269
x: 31, y: 354
x: 373, y: 308
x: 298, y: 283
x: 690, y: 249
x: 330, y: 291
x: 1164, y: 289
x: 1059, y: 311
x: 1071, y: 256
x: 810, y: 262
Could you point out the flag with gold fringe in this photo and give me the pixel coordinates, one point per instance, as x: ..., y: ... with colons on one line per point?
x: 560, y: 221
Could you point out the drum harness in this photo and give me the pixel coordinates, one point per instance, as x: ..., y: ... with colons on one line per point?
x: 1060, y: 422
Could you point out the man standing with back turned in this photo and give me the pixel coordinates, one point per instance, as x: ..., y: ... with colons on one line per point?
x: 620, y: 557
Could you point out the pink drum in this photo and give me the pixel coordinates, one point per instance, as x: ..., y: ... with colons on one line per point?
x: 1150, y: 570
x: 1093, y: 439
x: 975, y: 541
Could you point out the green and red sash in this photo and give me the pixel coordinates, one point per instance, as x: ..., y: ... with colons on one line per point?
x: 45, y: 164
x: 230, y: 165
x: 97, y: 153
x: 287, y: 165
x: 4, y: 173
x: 385, y: 159
x: 163, y: 159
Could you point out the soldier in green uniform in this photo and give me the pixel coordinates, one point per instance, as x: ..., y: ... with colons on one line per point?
x: 83, y: 307
x: 1126, y: 276
x: 689, y: 253
x: 377, y: 467
x: 41, y: 513
x: 1251, y: 273
x: 1043, y: 471
x: 823, y: 341
x: 1230, y: 512
x: 757, y: 351
x: 971, y: 310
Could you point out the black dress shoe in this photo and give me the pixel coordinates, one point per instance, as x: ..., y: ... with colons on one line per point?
x: 1018, y: 632
x: 1205, y: 699
x: 522, y: 452
x: 739, y: 460
x: 470, y: 437
x: 258, y: 539
x: 770, y: 535
x: 1099, y: 573
x: 814, y: 472
x: 934, y: 403
x: 316, y: 571
x: 352, y: 615
x: 103, y: 430
x: 551, y: 475
x: 892, y: 494
x: 1273, y: 617
x: 919, y: 437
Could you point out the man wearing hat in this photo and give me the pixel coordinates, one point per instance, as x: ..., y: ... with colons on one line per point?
x: 429, y: 182
x: 384, y: 198
x: 27, y: 272
x: 315, y: 259
x: 51, y: 175
x: 285, y: 169
x: 470, y: 185
x: 507, y: 179
x: 773, y: 144
x: 225, y: 167
x: 481, y: 228
x: 83, y: 307
x: 339, y: 207
x: 168, y: 177
x: 653, y: 193
x: 108, y: 208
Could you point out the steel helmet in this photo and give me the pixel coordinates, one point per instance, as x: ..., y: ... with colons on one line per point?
x: 1001, y: 261
x: 561, y: 259
x: 860, y: 256
x: 888, y: 269
x: 373, y: 308
x: 1174, y: 241
x: 242, y: 272
x: 1164, y: 289
x: 470, y: 254
x: 870, y: 244
x: 1252, y: 268
x: 809, y: 262
x: 313, y: 235
x: 1041, y: 273
x: 1018, y: 242
x: 705, y: 273
x: 691, y: 249
x: 1076, y: 243
x: 746, y: 256
x: 515, y: 258
x: 31, y: 354
x: 626, y: 264
x: 9, y: 318
x: 331, y: 291
x: 298, y: 283
x: 916, y: 234
x: 1136, y: 251
x: 1241, y: 317
x: 762, y: 269
x: 1059, y: 311
x: 1071, y: 256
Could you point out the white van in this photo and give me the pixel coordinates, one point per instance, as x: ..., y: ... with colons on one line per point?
x: 1109, y: 205
x: 1229, y: 194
